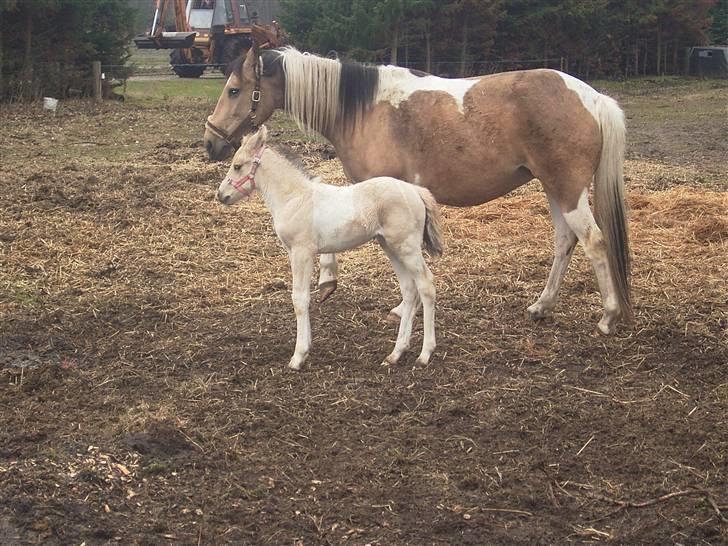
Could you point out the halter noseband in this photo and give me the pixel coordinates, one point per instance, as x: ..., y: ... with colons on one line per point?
x: 233, y: 137
x: 250, y: 177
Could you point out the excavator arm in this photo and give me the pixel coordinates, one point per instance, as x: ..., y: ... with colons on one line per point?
x: 158, y: 38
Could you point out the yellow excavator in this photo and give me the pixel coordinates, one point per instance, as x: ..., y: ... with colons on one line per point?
x: 210, y: 33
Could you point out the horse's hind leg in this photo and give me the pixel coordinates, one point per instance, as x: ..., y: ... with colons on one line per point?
x: 564, y: 243
x: 426, y: 290
x: 327, y: 276
x: 409, y: 304
x: 582, y: 222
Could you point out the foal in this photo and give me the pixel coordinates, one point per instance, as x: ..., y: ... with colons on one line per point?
x: 312, y: 218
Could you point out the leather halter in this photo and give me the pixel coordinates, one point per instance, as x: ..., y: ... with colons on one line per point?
x: 234, y: 136
x: 250, y: 177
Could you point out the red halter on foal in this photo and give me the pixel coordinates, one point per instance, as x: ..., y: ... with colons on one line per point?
x: 250, y: 177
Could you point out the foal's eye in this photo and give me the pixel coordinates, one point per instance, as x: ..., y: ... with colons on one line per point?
x: 234, y: 92
x: 237, y: 167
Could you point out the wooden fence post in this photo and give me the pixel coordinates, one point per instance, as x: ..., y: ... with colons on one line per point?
x: 96, y: 76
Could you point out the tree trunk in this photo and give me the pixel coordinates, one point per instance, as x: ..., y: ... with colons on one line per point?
x: 395, y: 45
x: 2, y: 62
x: 636, y: 60
x: 428, y: 52
x: 658, y: 56
x: 28, y: 56
x: 675, y: 68
x: 464, y: 52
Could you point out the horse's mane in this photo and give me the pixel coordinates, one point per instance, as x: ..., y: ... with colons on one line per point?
x: 321, y: 93
x: 289, y: 154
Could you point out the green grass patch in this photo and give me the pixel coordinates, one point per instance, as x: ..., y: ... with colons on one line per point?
x: 151, y: 92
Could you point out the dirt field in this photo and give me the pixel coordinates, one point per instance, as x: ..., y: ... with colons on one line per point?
x: 144, y: 332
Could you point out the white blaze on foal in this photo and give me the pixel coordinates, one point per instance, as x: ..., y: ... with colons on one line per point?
x: 312, y: 218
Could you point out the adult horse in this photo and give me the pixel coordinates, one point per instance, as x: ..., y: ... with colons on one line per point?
x: 466, y: 140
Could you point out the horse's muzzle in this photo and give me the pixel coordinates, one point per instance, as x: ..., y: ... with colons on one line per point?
x: 224, y: 199
x: 217, y: 149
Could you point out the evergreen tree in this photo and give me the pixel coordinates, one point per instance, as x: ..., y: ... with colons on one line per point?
x: 46, y: 45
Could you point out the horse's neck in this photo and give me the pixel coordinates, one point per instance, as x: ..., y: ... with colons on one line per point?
x: 279, y: 182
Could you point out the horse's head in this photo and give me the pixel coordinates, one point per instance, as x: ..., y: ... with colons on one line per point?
x: 253, y: 91
x: 239, y: 181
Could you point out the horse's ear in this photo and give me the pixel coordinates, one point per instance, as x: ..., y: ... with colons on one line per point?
x: 254, y: 142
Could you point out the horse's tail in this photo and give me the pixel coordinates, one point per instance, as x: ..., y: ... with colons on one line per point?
x: 432, y: 235
x: 609, y: 203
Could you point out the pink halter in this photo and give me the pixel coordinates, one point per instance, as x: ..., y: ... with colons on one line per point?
x: 250, y: 177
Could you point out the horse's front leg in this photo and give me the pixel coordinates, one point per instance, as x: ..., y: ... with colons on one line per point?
x: 302, y: 269
x: 327, y: 276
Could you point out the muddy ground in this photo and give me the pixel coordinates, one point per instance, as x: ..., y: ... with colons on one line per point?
x: 144, y: 332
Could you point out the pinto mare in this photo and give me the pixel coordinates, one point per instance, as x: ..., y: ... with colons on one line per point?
x: 466, y: 140
x: 310, y: 217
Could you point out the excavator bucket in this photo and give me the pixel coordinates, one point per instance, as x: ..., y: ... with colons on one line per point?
x: 166, y: 40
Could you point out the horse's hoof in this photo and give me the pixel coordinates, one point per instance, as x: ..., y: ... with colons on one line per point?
x: 423, y: 361
x: 294, y: 365
x: 608, y: 323
x: 389, y: 361
x: 393, y: 317
x: 326, y: 289
x: 536, y: 312
x: 607, y: 327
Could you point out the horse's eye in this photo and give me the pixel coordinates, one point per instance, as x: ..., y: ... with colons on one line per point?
x: 237, y: 167
x: 234, y: 92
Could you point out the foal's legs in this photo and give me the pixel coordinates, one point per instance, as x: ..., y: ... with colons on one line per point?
x: 564, y: 243
x: 302, y: 269
x: 582, y: 223
x: 409, y: 305
x: 327, y: 276
x: 417, y: 285
x: 426, y: 290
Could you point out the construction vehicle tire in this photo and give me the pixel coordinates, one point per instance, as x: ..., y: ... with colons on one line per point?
x: 181, y: 66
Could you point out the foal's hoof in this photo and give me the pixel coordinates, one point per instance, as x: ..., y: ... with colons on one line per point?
x: 326, y: 289
x: 393, y: 317
x: 537, y: 312
x: 294, y: 364
x: 390, y: 361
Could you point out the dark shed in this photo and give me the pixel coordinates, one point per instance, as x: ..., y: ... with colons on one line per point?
x: 708, y: 61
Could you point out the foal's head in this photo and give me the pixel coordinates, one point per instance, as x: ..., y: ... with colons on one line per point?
x: 239, y: 181
x: 253, y: 91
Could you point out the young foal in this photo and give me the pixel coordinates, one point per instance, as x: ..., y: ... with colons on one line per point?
x: 312, y: 218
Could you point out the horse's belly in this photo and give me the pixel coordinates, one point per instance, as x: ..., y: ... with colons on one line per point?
x: 474, y: 188
x: 331, y: 243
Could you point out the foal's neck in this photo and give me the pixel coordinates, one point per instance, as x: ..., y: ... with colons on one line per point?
x: 279, y: 181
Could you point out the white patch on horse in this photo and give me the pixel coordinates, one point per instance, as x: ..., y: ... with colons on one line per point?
x: 396, y: 85
x: 588, y: 95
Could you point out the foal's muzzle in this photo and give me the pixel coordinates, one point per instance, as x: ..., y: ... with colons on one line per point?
x: 224, y: 199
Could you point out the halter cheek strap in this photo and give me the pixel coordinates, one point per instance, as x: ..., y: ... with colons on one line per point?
x: 250, y: 177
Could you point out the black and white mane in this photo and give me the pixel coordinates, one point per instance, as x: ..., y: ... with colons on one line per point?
x: 323, y: 93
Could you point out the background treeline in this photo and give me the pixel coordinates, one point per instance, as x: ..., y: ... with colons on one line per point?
x: 595, y: 38
x: 46, y: 46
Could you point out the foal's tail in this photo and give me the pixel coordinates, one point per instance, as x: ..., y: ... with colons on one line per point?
x: 432, y: 235
x: 609, y: 203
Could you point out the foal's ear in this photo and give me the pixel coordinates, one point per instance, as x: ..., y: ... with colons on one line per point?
x: 254, y: 142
